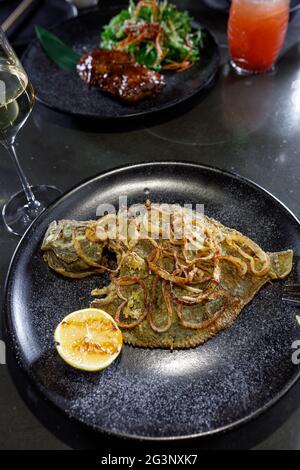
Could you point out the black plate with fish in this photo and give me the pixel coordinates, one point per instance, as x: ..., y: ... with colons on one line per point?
x: 65, y: 92
x: 159, y: 394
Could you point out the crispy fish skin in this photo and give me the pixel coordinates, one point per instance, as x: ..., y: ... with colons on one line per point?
x: 240, y: 288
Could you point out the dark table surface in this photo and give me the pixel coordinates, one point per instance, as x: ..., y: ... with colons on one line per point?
x: 250, y: 126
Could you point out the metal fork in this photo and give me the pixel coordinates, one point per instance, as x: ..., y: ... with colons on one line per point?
x: 291, y: 293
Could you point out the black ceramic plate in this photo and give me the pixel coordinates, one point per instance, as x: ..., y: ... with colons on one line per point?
x: 159, y: 393
x: 65, y: 92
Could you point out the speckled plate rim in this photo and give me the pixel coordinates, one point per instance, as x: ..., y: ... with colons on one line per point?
x: 130, y: 117
x: 10, y: 336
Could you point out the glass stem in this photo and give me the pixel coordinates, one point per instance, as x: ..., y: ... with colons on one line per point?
x: 32, y: 202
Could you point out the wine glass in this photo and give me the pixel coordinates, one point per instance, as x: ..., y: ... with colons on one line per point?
x: 16, y: 102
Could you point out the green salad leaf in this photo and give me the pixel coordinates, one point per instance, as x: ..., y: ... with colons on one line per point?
x: 158, y: 35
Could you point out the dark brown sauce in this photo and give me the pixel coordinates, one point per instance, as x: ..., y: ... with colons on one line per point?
x: 117, y: 73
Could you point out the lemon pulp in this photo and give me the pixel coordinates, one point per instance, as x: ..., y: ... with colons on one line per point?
x: 88, y: 339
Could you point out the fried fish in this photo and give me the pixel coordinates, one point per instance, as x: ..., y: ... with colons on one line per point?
x: 167, y: 292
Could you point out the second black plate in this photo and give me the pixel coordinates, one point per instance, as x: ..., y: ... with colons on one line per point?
x: 158, y: 393
x: 65, y: 92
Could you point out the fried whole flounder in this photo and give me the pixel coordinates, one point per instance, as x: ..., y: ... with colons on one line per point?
x: 166, y: 291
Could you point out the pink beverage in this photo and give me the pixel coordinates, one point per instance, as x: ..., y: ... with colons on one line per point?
x: 256, y: 32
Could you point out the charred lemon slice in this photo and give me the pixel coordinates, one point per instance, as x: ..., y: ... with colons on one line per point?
x: 88, y: 339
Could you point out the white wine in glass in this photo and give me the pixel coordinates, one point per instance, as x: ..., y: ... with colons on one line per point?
x: 16, y: 103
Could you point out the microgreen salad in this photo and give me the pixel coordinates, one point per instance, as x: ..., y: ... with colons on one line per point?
x: 158, y: 35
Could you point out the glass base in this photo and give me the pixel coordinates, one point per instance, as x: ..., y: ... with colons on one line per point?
x: 18, y: 215
x: 246, y: 73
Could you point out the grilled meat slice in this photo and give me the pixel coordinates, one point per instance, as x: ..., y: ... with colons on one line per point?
x: 117, y: 73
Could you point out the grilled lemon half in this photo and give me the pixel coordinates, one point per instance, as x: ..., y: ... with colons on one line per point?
x: 88, y: 339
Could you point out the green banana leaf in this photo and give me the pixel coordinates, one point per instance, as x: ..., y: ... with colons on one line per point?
x: 61, y: 54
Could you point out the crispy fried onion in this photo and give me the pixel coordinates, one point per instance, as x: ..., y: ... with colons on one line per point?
x: 108, y: 227
x: 205, y: 323
x: 166, y: 295
x: 107, y: 293
x: 240, y: 243
x: 163, y: 273
x: 238, y: 263
x: 90, y: 261
x: 129, y: 281
x: 186, y: 276
x: 198, y: 298
x: 183, y: 274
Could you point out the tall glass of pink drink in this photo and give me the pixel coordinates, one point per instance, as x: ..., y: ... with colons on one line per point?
x: 256, y: 32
